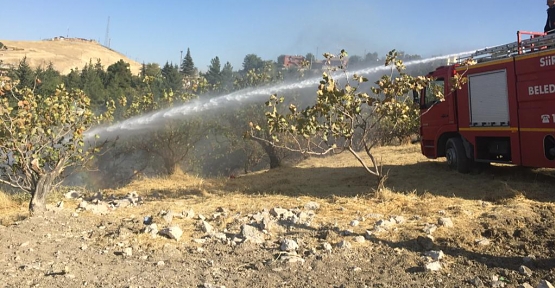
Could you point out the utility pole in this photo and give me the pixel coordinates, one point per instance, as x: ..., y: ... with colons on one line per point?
x: 181, y: 58
x: 316, y: 54
x: 107, y: 36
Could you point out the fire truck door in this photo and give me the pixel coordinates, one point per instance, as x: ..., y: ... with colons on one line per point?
x: 435, y: 114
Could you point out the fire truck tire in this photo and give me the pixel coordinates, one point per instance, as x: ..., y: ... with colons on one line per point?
x: 456, y: 155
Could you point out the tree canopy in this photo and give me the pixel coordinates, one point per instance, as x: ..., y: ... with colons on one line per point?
x: 188, y: 66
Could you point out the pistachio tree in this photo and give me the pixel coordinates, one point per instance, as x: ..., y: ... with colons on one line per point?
x: 41, y: 136
x: 171, y: 143
x: 342, y: 117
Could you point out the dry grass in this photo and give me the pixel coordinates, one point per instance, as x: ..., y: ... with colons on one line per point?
x: 65, y: 55
x: 416, y: 187
x: 13, y: 207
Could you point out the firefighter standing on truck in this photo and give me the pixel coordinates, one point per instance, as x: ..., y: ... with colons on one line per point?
x: 550, y: 23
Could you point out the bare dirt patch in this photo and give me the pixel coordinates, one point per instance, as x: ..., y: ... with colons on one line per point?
x: 492, y: 229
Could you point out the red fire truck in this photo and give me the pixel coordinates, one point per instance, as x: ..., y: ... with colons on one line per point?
x: 505, y: 113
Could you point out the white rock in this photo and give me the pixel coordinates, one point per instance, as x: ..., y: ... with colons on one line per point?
x: 83, y: 204
x: 435, y: 255
x: 220, y: 236
x: 399, y: 219
x: 445, y: 222
x: 168, y: 217
x: 152, y: 229
x: 289, y: 245
x: 312, y: 206
x: 173, y: 232
x: 199, y: 240
x: 359, y: 239
x: 482, y: 242
x: 430, y: 228
x: 523, y: 270
x: 433, y: 266
x: 206, y: 227
x: 252, y: 234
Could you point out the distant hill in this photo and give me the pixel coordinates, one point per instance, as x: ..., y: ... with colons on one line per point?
x: 64, y: 53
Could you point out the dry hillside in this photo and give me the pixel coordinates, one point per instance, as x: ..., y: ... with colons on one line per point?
x: 64, y: 54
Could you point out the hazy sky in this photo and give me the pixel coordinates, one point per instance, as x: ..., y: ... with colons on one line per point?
x: 157, y: 31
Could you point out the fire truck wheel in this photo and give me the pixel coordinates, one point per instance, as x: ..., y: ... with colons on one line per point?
x: 456, y: 156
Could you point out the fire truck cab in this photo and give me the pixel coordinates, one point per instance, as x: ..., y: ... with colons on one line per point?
x: 505, y: 113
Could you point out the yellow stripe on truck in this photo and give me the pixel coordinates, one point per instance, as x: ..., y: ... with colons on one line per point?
x: 512, y: 129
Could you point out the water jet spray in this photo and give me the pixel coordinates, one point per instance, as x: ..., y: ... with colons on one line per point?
x: 144, y: 123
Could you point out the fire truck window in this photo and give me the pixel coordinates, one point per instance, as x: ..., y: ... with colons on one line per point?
x: 433, y: 88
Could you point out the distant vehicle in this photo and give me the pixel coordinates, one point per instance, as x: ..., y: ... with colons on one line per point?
x: 505, y: 113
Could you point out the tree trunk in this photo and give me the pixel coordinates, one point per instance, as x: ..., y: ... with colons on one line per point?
x: 275, y: 162
x: 170, y: 167
x: 271, y: 151
x: 38, y: 199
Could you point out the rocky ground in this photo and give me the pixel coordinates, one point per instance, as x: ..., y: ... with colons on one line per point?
x: 232, y: 239
x: 85, y: 245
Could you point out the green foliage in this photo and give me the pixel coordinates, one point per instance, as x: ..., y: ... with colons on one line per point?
x: 188, y: 66
x: 227, y: 78
x: 214, y: 74
x: 400, y: 120
x: 170, y: 144
x: 40, y: 136
x: 172, y: 80
x: 118, y: 75
x: 47, y: 80
x: 73, y: 79
x: 24, y: 74
x: 258, y: 77
x: 343, y: 117
x: 92, y: 83
x: 253, y: 63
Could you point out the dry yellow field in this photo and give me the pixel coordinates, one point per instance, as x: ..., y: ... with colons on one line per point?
x: 64, y: 54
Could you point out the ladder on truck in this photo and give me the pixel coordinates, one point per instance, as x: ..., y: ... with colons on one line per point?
x: 536, y: 42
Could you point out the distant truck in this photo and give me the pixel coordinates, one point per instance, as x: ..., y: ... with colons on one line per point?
x: 505, y: 113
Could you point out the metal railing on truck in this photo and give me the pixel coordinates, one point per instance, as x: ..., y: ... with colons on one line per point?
x: 537, y: 41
